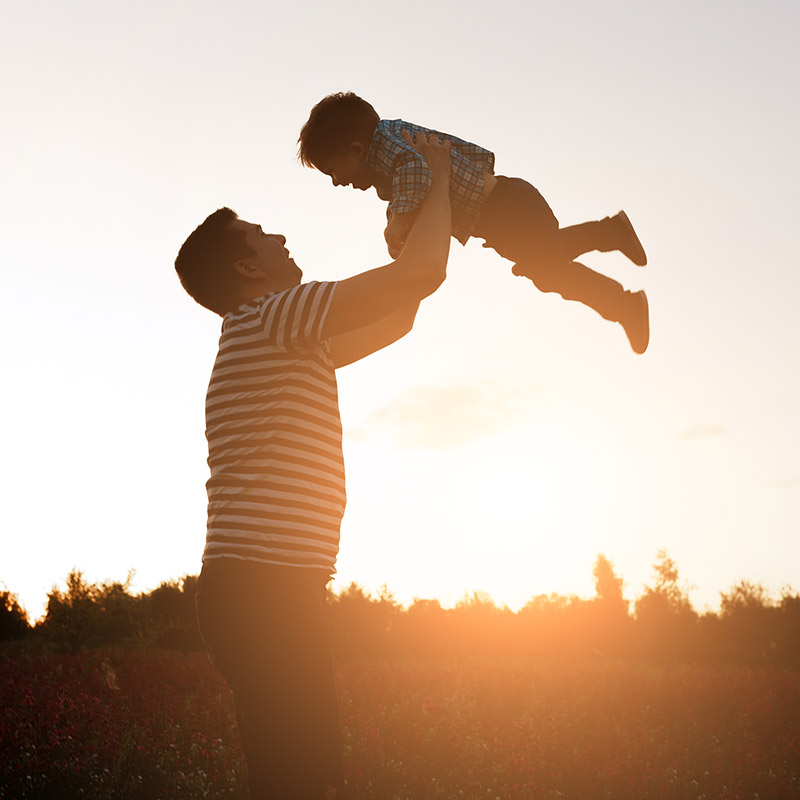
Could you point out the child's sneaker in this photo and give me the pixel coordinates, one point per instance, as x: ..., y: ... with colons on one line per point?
x: 635, y: 319
x: 629, y: 244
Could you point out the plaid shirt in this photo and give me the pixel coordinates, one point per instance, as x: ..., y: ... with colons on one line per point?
x: 402, y: 176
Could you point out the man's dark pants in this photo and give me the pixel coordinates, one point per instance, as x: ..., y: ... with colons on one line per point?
x: 266, y: 630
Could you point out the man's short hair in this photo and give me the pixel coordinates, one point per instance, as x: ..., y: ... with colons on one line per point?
x: 205, y: 261
x: 335, y: 122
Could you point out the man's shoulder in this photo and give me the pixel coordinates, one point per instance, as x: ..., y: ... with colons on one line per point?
x: 308, y: 294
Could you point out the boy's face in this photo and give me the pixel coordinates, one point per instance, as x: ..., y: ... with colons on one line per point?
x: 349, y: 168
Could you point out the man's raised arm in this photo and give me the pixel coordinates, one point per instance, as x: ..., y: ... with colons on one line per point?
x: 375, y: 308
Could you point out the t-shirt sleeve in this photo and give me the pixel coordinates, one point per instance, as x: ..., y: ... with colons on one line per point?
x: 294, y: 319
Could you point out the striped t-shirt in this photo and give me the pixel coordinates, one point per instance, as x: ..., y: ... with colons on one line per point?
x: 276, y: 492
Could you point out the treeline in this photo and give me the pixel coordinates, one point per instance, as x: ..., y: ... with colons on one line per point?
x: 752, y: 627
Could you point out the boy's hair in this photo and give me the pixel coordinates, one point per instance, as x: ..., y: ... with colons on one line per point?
x: 335, y: 122
x: 205, y: 261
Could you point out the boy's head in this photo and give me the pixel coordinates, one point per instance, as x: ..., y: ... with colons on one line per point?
x: 226, y: 262
x: 336, y: 139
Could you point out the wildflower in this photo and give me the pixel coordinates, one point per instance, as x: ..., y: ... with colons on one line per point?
x: 109, y: 676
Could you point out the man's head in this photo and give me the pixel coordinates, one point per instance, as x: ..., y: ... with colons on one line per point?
x: 336, y: 139
x: 226, y: 262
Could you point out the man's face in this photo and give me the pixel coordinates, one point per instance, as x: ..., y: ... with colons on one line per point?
x: 348, y: 169
x: 270, y: 255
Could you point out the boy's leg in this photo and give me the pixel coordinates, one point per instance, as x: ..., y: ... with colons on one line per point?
x: 611, y: 233
x: 266, y: 629
x: 517, y: 222
x: 575, y: 281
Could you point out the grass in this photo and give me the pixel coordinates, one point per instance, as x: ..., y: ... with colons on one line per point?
x: 155, y: 724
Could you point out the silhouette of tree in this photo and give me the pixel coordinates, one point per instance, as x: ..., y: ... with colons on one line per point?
x: 789, y: 641
x: 167, y: 614
x: 359, y: 624
x: 751, y: 627
x: 87, y: 614
x: 749, y: 623
x: 480, y: 625
x: 608, y: 587
x: 666, y: 623
x: 556, y: 623
x: 611, y: 620
x: 13, y: 618
x: 424, y: 628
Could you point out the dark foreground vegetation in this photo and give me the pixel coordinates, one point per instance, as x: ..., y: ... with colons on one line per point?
x: 116, y: 724
x: 111, y: 696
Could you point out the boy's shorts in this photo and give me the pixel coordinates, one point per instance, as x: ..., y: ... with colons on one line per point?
x: 517, y: 222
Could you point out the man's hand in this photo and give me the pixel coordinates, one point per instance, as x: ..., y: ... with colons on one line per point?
x: 437, y: 156
x: 435, y: 153
x: 397, y: 288
x: 396, y: 232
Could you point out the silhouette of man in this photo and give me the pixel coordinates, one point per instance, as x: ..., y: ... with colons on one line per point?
x: 276, y: 494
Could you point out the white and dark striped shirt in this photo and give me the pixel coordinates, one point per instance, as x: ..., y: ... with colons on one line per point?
x: 276, y: 492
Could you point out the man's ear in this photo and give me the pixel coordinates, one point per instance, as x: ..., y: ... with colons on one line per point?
x: 247, y: 269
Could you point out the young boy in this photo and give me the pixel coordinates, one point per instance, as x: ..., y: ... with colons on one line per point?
x: 345, y: 139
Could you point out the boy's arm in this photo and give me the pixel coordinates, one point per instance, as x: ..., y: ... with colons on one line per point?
x: 371, y: 310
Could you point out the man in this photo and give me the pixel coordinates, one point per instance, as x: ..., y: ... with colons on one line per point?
x: 276, y: 492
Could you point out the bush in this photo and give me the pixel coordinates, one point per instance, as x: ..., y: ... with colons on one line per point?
x: 13, y: 618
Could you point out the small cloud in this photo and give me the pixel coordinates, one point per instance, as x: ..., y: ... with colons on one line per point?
x: 448, y: 416
x: 357, y: 434
x: 784, y: 484
x: 701, y: 431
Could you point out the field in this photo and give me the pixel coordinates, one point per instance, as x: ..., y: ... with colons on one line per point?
x: 139, y: 724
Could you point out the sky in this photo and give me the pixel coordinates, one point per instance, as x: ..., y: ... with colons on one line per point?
x: 512, y: 436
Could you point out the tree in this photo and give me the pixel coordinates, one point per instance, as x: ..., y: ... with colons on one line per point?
x: 424, y: 628
x: 608, y: 587
x: 167, y: 614
x: 88, y: 614
x: 665, y: 620
x: 13, y: 618
x: 557, y: 623
x: 610, y: 607
x: 789, y: 642
x: 750, y: 620
x: 361, y: 625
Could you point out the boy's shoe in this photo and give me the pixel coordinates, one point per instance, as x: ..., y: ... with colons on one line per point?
x: 635, y: 319
x: 629, y: 244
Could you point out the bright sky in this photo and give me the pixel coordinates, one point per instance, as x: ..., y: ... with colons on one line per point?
x: 512, y: 436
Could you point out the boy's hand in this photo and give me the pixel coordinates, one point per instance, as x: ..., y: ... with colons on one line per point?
x: 396, y: 232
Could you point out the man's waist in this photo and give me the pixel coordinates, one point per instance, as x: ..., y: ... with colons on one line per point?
x: 238, y: 571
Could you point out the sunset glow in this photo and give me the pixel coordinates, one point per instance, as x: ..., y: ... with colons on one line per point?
x: 512, y: 436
